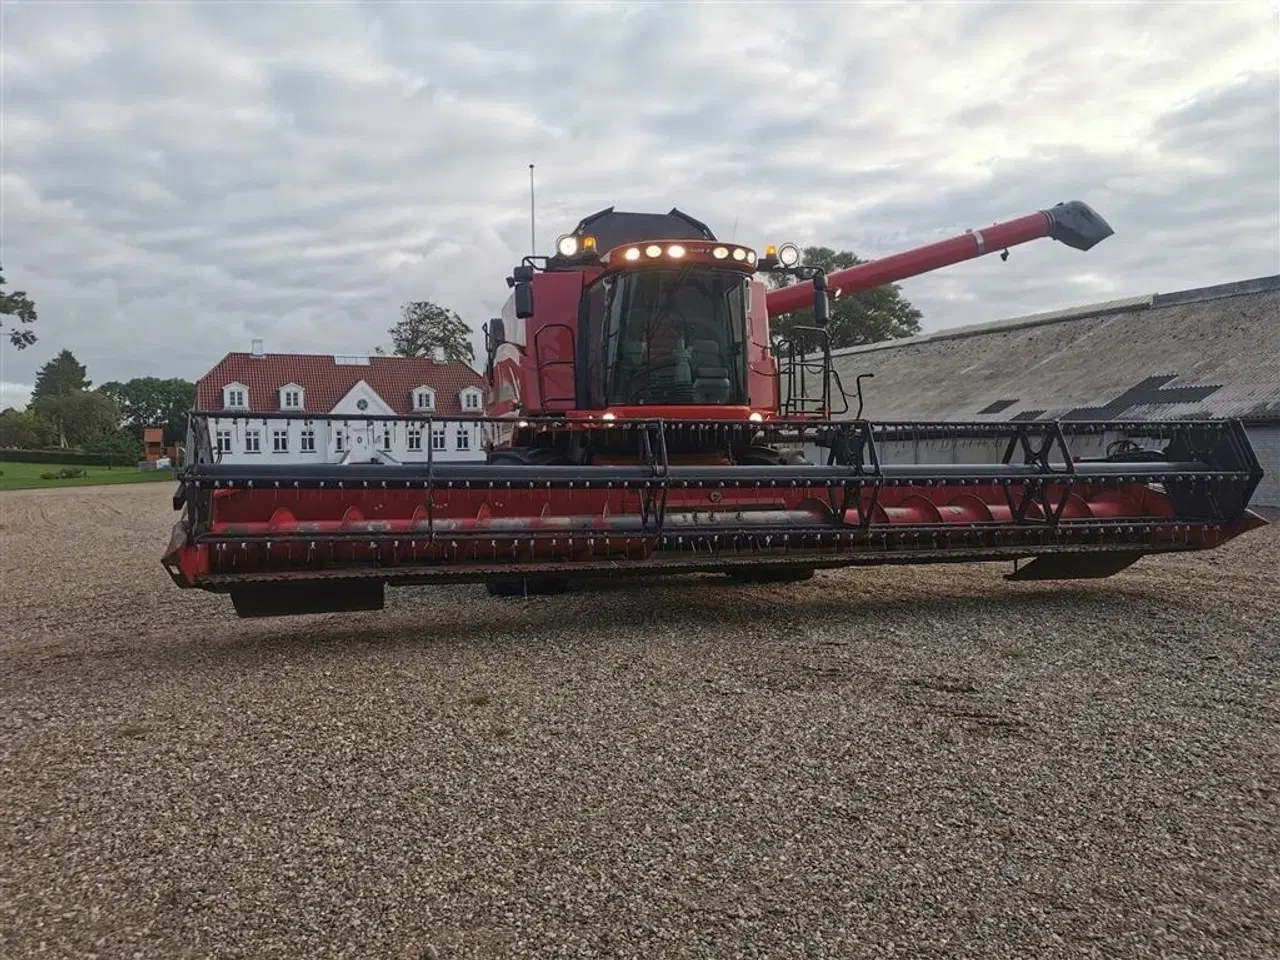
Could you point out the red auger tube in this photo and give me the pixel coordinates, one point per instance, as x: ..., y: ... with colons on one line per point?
x: 1076, y: 224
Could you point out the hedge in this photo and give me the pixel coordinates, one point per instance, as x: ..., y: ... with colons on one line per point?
x: 67, y: 457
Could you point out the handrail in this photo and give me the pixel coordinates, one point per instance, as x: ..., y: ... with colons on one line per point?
x: 541, y: 365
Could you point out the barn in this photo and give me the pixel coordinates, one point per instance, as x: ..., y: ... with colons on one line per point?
x: 1195, y: 353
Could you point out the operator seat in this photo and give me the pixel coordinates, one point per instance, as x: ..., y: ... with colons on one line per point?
x: 710, y: 373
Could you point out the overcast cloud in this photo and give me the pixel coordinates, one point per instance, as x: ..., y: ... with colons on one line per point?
x: 181, y: 179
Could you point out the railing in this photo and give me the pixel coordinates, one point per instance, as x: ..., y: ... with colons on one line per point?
x: 798, y: 366
x: 541, y: 365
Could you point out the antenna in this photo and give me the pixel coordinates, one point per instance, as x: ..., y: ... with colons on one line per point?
x: 734, y: 238
x: 533, y: 238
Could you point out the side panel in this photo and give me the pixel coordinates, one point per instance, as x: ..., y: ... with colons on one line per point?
x: 762, y: 366
x: 547, y: 365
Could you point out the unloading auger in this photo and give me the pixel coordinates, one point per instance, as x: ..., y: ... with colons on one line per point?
x: 639, y: 419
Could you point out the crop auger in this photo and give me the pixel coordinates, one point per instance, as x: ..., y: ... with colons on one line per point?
x: 639, y: 419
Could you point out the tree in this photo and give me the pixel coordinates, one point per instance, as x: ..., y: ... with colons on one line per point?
x: 26, y: 430
x: 18, y: 304
x: 80, y: 416
x: 153, y: 402
x: 881, y: 313
x: 62, y: 375
x: 429, y: 330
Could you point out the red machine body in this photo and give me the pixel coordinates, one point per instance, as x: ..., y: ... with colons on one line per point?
x: 533, y: 364
x: 641, y: 416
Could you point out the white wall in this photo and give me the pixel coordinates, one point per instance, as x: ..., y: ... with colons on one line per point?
x: 359, y: 438
x: 353, y: 437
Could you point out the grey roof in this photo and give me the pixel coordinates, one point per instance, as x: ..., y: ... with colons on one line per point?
x: 1207, y: 352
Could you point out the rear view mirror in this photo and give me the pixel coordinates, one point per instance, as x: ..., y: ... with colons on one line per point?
x: 522, y: 281
x: 495, y: 334
x: 821, y: 308
x: 524, y: 299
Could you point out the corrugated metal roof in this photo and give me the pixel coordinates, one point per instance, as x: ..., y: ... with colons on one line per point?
x: 1208, y: 352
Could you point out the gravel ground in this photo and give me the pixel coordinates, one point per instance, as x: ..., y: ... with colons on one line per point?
x: 917, y: 763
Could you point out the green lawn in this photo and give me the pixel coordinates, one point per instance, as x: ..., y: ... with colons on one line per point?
x: 26, y: 476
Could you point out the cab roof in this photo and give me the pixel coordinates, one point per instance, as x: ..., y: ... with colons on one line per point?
x: 613, y: 228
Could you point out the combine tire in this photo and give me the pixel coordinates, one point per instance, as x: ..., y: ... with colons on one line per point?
x: 760, y: 456
x: 529, y: 456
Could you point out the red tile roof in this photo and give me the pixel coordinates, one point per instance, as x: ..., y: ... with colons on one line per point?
x: 325, y: 381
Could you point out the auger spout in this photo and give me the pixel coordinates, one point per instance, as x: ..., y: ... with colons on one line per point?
x: 1075, y: 224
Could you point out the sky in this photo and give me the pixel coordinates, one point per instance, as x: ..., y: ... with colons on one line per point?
x: 178, y: 180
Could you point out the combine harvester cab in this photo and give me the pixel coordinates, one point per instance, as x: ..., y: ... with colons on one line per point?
x: 639, y: 419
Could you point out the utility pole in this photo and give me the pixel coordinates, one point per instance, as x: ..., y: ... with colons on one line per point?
x: 533, y: 237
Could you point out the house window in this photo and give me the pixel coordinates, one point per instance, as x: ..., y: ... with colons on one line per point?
x: 422, y: 400
x: 464, y: 437
x: 437, y: 438
x: 280, y: 441
x: 471, y: 401
x: 252, y: 441
x: 386, y: 438
x: 224, y: 441
x: 235, y: 397
x: 307, y: 442
x: 338, y: 440
x: 415, y: 438
x: 293, y: 399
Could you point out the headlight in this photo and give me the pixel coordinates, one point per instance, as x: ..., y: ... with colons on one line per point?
x: 567, y: 245
x: 739, y: 253
x: 609, y: 416
x: 756, y: 418
x: 632, y: 253
x: 720, y: 252
x: 789, y: 254
x: 653, y: 250
x: 675, y: 250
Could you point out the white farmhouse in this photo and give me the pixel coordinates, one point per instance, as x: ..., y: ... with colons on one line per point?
x: 353, y: 392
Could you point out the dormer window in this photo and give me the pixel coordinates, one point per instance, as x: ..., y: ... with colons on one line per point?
x: 291, y: 397
x: 235, y: 396
x: 471, y: 400
x: 424, y: 399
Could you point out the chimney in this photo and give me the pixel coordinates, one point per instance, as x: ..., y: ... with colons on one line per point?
x: 257, y: 349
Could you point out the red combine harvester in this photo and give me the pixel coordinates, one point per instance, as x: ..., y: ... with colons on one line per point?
x: 639, y: 419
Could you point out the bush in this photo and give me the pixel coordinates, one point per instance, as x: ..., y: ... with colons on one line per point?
x: 66, y: 473
x: 112, y: 448
x: 65, y: 456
